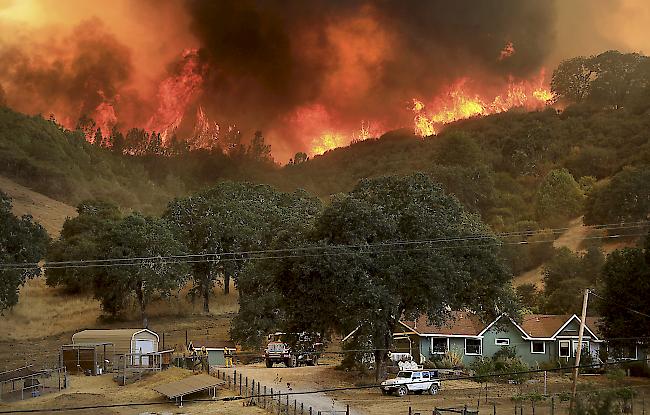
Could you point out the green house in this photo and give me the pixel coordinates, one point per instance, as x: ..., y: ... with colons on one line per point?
x: 537, y: 339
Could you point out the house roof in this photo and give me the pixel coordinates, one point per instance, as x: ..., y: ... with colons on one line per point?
x: 548, y: 325
x: 593, y: 323
x: 460, y: 323
x: 543, y: 325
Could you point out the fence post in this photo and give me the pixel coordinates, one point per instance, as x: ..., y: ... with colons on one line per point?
x: 246, y: 389
x: 347, y: 409
x: 235, y: 376
x: 310, y: 411
x: 410, y: 411
x: 240, y: 384
x: 552, y: 405
x: 295, y: 407
x: 258, y: 392
x: 302, y: 409
x: 494, y: 408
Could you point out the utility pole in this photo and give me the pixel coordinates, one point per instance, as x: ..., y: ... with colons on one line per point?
x: 583, y: 317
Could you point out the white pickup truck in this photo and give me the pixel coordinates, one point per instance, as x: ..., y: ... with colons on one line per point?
x: 415, y: 381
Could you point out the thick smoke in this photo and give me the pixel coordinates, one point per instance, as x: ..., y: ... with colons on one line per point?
x: 70, y: 76
x: 358, y: 59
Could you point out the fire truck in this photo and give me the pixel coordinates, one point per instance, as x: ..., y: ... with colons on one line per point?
x: 293, y: 349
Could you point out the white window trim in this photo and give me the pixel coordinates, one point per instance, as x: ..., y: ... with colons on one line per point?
x: 559, y: 347
x: 543, y: 346
x: 431, y: 346
x: 497, y: 342
x: 480, y: 348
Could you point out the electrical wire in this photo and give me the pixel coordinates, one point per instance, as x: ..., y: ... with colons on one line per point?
x: 162, y: 260
x: 311, y: 392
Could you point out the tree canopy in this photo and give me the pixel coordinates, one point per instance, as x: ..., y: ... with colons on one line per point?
x: 22, y: 241
x: 625, y: 291
x: 101, y: 232
x: 364, y: 275
x: 234, y: 217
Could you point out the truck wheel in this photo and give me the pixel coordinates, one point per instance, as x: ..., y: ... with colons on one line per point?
x: 433, y: 389
x: 269, y: 363
x: 384, y: 392
x: 402, y: 391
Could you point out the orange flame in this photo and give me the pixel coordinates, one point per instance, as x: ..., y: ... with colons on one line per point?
x: 458, y: 103
x: 175, y: 93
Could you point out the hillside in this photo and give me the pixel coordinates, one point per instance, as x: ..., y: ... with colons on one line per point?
x: 48, y: 212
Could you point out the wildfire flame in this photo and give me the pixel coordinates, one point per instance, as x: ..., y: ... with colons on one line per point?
x: 175, y: 93
x: 459, y: 103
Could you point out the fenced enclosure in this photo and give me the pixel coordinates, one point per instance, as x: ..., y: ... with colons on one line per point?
x: 131, y: 367
x: 25, y: 382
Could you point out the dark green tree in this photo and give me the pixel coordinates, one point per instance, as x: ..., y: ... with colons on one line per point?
x: 559, y: 198
x: 22, y: 241
x: 82, y: 238
x: 626, y: 198
x: 233, y: 217
x: 138, y: 236
x: 625, y: 289
x: 365, y: 276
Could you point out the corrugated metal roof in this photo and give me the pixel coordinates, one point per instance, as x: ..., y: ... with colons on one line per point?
x: 19, y: 373
x: 188, y: 385
x: 107, y: 333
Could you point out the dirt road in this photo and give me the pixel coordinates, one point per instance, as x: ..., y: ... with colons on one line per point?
x: 299, y: 380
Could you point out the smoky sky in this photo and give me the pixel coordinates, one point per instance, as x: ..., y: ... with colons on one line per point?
x: 255, y: 49
x: 274, y: 65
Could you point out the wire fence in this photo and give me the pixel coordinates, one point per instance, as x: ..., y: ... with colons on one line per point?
x: 276, y: 401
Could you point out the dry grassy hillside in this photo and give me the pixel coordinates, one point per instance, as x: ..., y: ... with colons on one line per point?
x: 48, y: 212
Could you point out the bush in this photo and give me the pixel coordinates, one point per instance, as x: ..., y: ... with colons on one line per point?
x: 504, y: 361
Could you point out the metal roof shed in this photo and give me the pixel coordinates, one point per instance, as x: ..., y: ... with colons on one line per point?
x: 125, y: 341
x: 192, y: 384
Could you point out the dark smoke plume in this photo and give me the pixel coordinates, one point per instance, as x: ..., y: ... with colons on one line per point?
x: 260, y: 68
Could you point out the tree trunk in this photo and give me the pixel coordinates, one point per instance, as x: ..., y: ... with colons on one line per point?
x: 226, y: 283
x: 206, y: 295
x: 139, y: 292
x: 381, y: 354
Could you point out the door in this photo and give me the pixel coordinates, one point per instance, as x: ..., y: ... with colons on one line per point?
x: 143, y: 346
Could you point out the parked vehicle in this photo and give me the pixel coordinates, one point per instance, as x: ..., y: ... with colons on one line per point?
x: 412, y: 381
x: 306, y: 349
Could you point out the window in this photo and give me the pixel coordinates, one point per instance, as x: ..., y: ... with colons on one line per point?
x: 473, y: 346
x: 502, y: 342
x: 585, y: 347
x: 623, y: 351
x: 439, y: 345
x: 565, y: 348
x: 425, y: 375
x: 538, y: 347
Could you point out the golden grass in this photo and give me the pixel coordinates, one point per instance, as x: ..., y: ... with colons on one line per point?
x: 43, y: 311
x: 48, y: 212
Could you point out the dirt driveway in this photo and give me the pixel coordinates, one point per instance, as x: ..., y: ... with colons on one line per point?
x: 299, y: 380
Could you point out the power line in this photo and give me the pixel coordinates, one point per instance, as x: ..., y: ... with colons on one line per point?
x: 620, y: 305
x: 217, y: 257
x: 311, y: 392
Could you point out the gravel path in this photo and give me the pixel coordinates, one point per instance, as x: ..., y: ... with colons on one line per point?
x: 299, y: 380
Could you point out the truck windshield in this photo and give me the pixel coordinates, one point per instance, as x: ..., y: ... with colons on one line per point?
x: 404, y: 375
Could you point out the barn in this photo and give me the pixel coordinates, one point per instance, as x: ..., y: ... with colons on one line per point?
x: 124, y: 341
